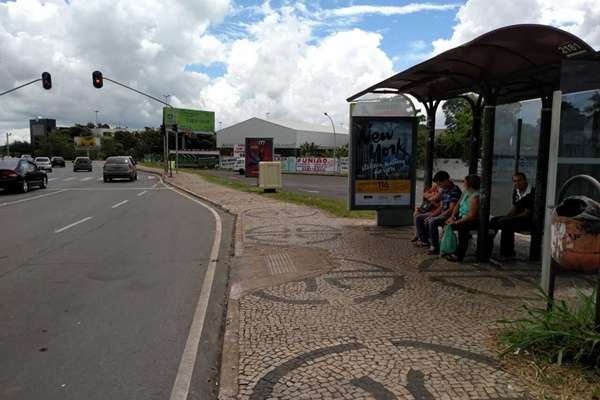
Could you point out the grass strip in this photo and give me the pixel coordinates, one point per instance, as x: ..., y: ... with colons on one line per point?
x: 333, y: 206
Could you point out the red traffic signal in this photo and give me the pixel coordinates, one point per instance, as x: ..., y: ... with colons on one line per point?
x: 46, y: 80
x: 97, y: 79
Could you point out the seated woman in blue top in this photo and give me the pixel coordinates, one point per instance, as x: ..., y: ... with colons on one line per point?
x: 465, y: 218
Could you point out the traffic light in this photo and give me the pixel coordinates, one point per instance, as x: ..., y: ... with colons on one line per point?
x: 46, y: 80
x: 97, y: 79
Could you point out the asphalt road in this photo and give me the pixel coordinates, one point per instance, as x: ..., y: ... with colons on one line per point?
x: 332, y: 187
x: 99, y: 284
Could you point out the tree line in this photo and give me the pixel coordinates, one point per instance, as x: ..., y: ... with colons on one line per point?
x: 135, y: 144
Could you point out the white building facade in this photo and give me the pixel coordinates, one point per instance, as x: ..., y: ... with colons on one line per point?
x: 287, y: 136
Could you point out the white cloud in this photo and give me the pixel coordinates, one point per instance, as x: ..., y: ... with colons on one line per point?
x: 146, y: 45
x: 581, y: 17
x: 389, y: 10
x: 282, y: 70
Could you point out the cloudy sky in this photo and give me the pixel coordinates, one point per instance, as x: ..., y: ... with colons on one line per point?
x: 239, y: 58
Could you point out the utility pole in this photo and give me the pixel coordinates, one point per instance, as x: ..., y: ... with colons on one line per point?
x: 8, y: 134
x: 96, y: 117
x: 334, y: 141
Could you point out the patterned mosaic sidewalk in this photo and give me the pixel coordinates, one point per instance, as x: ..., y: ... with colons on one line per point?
x: 386, y: 322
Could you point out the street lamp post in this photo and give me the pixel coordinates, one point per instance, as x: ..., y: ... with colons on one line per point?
x: 334, y: 141
x: 8, y: 134
x: 96, y: 111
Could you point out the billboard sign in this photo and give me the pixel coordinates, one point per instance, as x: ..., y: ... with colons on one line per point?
x: 257, y: 150
x: 87, y: 142
x: 318, y: 165
x: 239, y: 150
x: 383, y: 162
x: 189, y: 121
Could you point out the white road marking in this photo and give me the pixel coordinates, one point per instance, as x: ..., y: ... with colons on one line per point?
x: 142, y: 193
x: 154, y: 186
x: 99, y: 179
x: 87, y: 179
x: 8, y: 203
x: 69, y: 179
x: 51, y: 179
x: 181, y: 387
x: 309, y: 191
x: 81, y: 221
x: 151, y: 177
x: 120, y: 204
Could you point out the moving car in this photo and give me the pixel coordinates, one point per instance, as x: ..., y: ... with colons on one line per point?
x: 58, y: 162
x: 119, y: 167
x: 82, y: 163
x: 27, y: 157
x: 240, y: 165
x: 21, y: 175
x: 43, y: 163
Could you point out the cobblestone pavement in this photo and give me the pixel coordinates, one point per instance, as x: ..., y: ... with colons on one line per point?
x: 386, y: 322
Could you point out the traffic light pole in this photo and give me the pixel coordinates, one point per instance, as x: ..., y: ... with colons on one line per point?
x: 19, y: 87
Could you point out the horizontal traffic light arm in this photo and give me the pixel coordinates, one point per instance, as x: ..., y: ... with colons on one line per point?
x: 19, y: 87
x: 137, y: 91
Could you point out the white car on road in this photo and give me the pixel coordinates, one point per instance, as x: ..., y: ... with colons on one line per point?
x: 43, y: 163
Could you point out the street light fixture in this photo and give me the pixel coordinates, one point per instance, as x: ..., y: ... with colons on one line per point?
x: 333, y: 126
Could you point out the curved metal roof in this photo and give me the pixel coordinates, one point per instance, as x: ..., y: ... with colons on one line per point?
x: 516, y: 62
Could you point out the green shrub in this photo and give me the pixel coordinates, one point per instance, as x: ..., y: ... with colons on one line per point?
x: 561, y: 333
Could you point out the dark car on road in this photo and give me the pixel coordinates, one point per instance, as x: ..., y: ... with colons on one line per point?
x: 58, y: 162
x: 21, y: 175
x: 119, y: 167
x: 82, y: 164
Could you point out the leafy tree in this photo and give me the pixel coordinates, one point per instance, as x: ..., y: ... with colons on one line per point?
x: 309, y: 149
x: 19, y: 147
x: 111, y: 147
x: 454, y: 143
x: 55, y: 144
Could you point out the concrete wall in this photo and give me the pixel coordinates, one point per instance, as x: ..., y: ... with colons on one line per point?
x: 456, y: 167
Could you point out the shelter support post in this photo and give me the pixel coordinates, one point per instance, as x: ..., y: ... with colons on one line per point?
x: 489, y: 120
x: 476, y: 110
x: 541, y: 180
x: 548, y: 265
x: 518, y: 146
x: 431, y: 108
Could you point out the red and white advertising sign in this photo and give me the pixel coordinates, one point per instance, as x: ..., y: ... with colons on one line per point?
x: 239, y: 150
x: 315, y: 165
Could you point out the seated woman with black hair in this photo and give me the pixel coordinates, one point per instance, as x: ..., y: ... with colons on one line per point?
x: 464, y: 218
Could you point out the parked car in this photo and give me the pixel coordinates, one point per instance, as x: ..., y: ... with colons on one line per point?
x: 240, y: 165
x: 43, y: 163
x: 21, y: 175
x: 82, y: 164
x: 58, y: 162
x: 119, y: 167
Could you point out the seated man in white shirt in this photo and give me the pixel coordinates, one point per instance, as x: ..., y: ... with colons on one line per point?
x: 519, y: 218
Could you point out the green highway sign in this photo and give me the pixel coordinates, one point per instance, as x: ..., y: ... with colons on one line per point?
x: 190, y: 121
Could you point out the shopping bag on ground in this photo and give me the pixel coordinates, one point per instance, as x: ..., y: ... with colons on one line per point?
x: 449, y: 241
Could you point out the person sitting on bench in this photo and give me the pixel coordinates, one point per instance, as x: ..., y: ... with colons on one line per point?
x: 465, y: 218
x: 519, y: 218
x: 427, y: 228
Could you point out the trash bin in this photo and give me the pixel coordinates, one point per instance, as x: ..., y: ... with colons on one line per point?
x: 575, y: 234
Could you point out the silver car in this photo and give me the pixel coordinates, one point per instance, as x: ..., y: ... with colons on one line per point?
x: 119, y: 167
x: 43, y: 163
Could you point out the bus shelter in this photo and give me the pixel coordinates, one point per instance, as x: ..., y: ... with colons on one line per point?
x: 510, y: 65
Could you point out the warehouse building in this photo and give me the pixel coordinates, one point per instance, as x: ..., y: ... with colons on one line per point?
x: 287, y: 136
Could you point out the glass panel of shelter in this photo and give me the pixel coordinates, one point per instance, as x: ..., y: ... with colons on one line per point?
x: 579, y: 149
x: 516, y: 142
